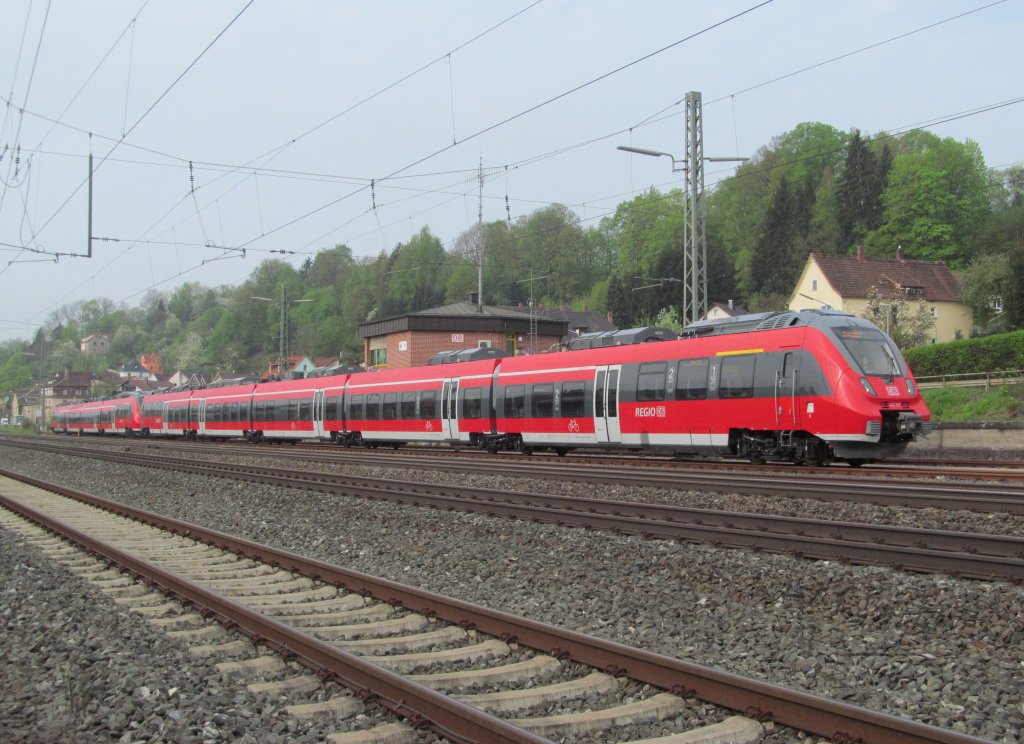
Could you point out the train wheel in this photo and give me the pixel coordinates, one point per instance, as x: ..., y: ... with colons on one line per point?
x: 561, y: 451
x: 856, y: 462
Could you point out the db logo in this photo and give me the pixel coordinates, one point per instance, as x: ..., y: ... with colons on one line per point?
x: 573, y: 425
x: 429, y: 426
x: 892, y: 390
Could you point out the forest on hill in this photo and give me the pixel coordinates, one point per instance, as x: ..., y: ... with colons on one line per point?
x: 815, y: 188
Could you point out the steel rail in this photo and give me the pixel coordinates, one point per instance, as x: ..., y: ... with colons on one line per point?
x: 830, y: 718
x: 998, y: 498
x: 418, y: 704
x: 986, y: 557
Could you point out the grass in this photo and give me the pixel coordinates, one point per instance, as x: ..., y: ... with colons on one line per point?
x: 997, y: 403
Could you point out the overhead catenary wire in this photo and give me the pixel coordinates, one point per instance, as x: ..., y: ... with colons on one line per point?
x: 391, y: 202
x: 146, y: 113
x: 322, y: 124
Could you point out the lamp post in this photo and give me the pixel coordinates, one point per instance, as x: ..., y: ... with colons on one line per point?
x: 42, y: 391
x: 282, y: 355
x: 695, y: 275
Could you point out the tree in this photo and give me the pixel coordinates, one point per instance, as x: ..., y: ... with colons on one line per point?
x: 908, y: 323
x: 858, y: 194
x: 15, y: 373
x: 934, y: 203
x: 782, y: 249
x: 417, y: 275
x: 985, y: 284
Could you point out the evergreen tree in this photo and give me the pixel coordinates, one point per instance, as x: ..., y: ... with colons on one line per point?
x: 859, y: 193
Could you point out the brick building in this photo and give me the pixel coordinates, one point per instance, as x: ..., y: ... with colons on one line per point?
x: 410, y: 340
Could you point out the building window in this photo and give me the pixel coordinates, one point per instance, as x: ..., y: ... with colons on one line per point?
x: 934, y: 312
x: 814, y: 285
x: 378, y: 357
x: 483, y: 344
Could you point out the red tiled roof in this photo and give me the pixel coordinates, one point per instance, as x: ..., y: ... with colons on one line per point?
x: 851, y: 277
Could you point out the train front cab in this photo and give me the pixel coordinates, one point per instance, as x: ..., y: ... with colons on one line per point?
x: 878, y: 407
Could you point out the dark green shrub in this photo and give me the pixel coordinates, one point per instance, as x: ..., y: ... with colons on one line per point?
x: 1004, y: 351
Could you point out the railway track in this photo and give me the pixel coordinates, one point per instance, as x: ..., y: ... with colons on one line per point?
x: 828, y: 485
x: 385, y: 640
x: 968, y: 555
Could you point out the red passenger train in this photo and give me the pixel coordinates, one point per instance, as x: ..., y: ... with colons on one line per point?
x: 810, y: 386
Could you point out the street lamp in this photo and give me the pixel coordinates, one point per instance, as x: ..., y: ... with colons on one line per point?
x: 695, y: 277
x: 282, y: 355
x: 42, y: 391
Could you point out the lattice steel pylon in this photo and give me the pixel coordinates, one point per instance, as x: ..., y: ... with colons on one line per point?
x: 695, y: 251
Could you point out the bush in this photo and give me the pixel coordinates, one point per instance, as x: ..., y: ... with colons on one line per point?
x: 989, y: 354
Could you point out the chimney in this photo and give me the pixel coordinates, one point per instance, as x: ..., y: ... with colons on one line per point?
x: 586, y: 307
x: 730, y: 305
x: 860, y: 253
x: 899, y: 254
x: 474, y: 298
x: 561, y: 307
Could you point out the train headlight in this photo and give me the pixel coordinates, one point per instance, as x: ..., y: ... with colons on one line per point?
x: 866, y: 384
x: 911, y: 390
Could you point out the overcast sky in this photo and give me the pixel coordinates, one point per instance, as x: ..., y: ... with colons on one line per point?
x: 287, y: 110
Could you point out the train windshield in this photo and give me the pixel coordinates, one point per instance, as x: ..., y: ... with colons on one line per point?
x: 872, y: 351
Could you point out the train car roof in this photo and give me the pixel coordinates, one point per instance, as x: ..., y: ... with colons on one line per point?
x: 223, y: 391
x: 303, y: 383
x: 431, y: 372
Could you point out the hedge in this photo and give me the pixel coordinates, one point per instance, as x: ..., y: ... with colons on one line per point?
x: 1004, y: 351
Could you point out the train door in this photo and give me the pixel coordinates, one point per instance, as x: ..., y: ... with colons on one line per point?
x: 449, y: 409
x: 318, y: 414
x: 201, y: 420
x: 165, y: 422
x: 787, y: 414
x: 606, y: 404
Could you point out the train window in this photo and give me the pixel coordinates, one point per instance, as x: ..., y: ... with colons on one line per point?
x: 613, y: 393
x: 305, y: 409
x: 573, y: 398
x: 692, y: 380
x: 472, y: 407
x: 428, y: 404
x: 650, y: 383
x: 356, y: 409
x: 515, y: 401
x: 280, y: 410
x: 408, y: 407
x: 332, y: 410
x: 372, y: 406
x: 737, y: 377
x: 293, y: 410
x: 390, y: 407
x: 871, y: 350
x: 542, y: 401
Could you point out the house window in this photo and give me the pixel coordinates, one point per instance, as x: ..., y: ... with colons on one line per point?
x: 483, y: 344
x: 814, y: 285
x: 934, y: 311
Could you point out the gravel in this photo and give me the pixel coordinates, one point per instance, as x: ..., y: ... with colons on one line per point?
x: 930, y: 648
